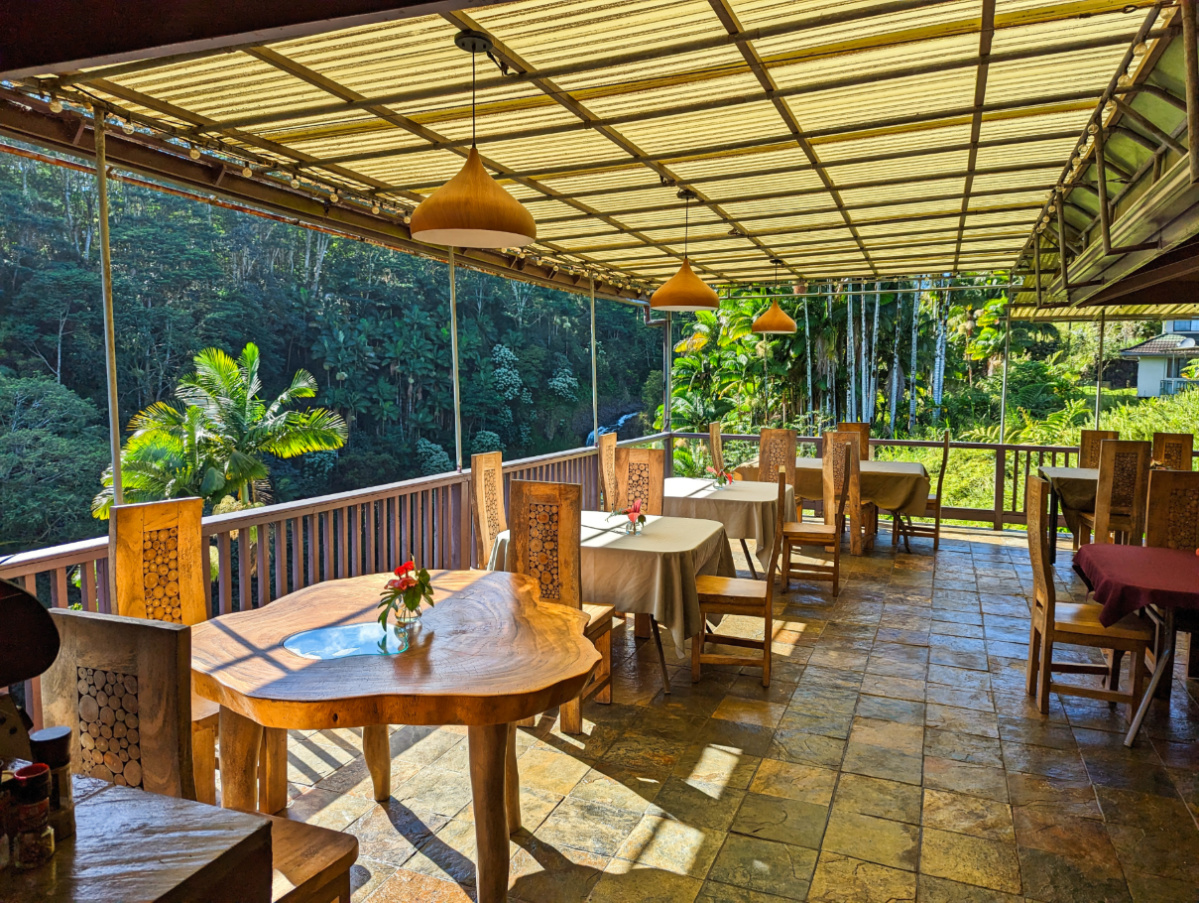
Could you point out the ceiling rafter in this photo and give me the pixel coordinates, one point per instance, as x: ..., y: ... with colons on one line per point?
x: 985, y: 37
x: 564, y: 98
x: 315, y: 78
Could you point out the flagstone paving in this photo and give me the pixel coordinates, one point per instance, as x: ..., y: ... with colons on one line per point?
x: 894, y: 758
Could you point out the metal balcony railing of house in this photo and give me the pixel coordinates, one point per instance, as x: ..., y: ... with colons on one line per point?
x: 1175, y: 385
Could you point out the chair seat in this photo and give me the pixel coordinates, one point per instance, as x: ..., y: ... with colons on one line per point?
x: 306, y: 859
x: 795, y: 528
x: 1084, y: 619
x: 599, y: 619
x: 713, y: 589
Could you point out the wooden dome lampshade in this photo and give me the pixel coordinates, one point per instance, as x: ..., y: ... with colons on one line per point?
x: 684, y: 291
x: 774, y: 321
x: 472, y: 211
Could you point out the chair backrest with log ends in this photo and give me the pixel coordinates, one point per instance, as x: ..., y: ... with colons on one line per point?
x: 1088, y: 446
x: 606, y: 443
x: 162, y: 561
x: 1036, y: 505
x: 546, y: 531
x: 1123, y: 487
x: 1172, y: 519
x: 1174, y: 451
x: 863, y: 431
x: 716, y: 446
x: 840, y: 465
x: 487, y: 499
x: 641, y: 474
x: 123, y: 686
x: 776, y: 448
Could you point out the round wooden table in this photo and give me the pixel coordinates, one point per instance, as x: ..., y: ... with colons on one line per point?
x: 488, y: 654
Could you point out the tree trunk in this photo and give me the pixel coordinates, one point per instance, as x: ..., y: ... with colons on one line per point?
x: 939, y: 358
x: 807, y: 336
x: 874, y: 352
x: 912, y: 369
x: 894, y: 406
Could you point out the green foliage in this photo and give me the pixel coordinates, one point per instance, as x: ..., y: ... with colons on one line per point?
x: 52, y: 445
x: 218, y: 441
x: 432, y: 458
x: 485, y: 441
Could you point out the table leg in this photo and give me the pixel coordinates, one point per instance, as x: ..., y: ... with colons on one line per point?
x: 488, y: 745
x: 749, y: 558
x: 641, y: 626
x: 1053, y: 514
x: 272, y: 771
x: 376, y: 749
x: 512, y: 783
x: 241, y: 739
x: 1162, y: 670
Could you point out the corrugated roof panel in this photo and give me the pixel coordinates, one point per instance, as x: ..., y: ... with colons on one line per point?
x: 671, y: 136
x: 1081, y: 70
x: 864, y: 197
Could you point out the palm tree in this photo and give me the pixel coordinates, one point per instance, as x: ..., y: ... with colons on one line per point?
x: 216, y: 444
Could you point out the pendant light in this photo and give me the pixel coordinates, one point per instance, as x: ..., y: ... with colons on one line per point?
x: 685, y: 291
x: 775, y: 320
x: 471, y: 210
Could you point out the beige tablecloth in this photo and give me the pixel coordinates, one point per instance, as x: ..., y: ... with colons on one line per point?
x: 1076, y: 488
x: 747, y: 509
x: 653, y: 573
x: 901, y: 486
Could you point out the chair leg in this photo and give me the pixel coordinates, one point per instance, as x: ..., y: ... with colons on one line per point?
x: 653, y: 622
x: 749, y: 558
x: 1045, y: 666
x: 786, y: 570
x: 603, y: 645
x: 697, y: 649
x: 767, y: 643
x: 1113, y: 670
x: 1034, y: 649
x: 1138, y: 681
x: 836, y: 570
x: 571, y: 715
x: 204, y: 762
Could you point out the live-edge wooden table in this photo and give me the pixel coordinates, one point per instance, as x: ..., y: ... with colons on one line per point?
x: 488, y: 654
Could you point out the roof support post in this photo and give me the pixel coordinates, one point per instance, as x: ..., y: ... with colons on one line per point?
x: 454, y: 355
x: 110, y: 343
x: 1105, y: 216
x: 667, y: 366
x: 1099, y: 369
x: 1007, y: 351
x: 1191, y: 50
x: 1060, y: 207
x: 1036, y: 263
x: 594, y: 381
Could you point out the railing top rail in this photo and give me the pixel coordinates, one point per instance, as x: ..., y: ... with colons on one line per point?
x: 902, y: 443
x: 65, y: 555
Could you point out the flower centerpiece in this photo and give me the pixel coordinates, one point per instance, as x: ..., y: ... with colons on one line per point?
x: 404, y: 593
x: 635, y: 515
x: 721, y: 479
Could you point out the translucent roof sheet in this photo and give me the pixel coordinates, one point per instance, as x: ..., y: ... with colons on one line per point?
x: 839, y: 135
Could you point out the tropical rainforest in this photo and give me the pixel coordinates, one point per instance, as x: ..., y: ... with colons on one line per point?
x: 258, y: 361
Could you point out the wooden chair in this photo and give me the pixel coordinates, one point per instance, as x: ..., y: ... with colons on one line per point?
x: 736, y: 596
x: 1174, y: 451
x: 546, y: 529
x: 863, y: 431
x: 777, y: 448
x: 162, y: 574
x: 838, y: 482
x: 716, y: 446
x: 1076, y: 625
x: 641, y: 474
x: 124, y: 686
x: 610, y: 496
x: 1172, y: 522
x: 863, y: 519
x: 1121, y: 495
x: 1088, y: 446
x: 487, y: 500
x: 902, y: 525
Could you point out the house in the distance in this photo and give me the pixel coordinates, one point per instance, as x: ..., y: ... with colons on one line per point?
x: 1161, y: 359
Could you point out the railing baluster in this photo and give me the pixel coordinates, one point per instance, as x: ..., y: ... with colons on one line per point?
x: 354, y: 515
x: 328, y: 547
x: 245, y: 581
x: 87, y: 583
x: 280, y: 559
x: 102, y: 594
x: 312, y: 533
x: 224, y: 573
x: 372, y: 553
x: 59, y: 592
x: 263, y: 552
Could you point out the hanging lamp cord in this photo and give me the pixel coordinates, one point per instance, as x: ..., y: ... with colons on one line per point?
x: 473, y: 99
x: 686, y: 224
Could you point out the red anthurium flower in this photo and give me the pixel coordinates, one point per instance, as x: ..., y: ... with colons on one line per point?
x: 394, y: 583
x: 406, y: 568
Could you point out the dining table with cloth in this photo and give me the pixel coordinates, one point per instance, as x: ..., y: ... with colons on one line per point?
x: 748, y: 509
x: 1074, y: 490
x: 1127, y: 579
x: 891, y: 485
x: 652, y: 573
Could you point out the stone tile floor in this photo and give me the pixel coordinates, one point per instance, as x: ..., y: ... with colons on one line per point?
x: 894, y: 757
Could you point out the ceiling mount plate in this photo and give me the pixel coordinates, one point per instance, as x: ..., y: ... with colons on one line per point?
x: 473, y: 41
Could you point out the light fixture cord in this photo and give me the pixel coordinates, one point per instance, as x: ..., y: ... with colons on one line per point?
x: 473, y: 96
x: 686, y: 224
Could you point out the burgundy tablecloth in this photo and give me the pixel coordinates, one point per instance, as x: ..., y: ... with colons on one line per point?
x: 1127, y: 578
